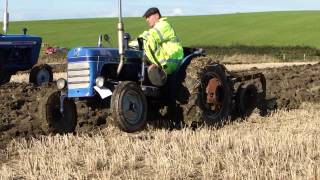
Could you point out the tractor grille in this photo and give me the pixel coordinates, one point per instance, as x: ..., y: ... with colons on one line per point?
x: 78, y: 75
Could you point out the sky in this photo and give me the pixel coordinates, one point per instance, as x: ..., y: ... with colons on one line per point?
x: 22, y: 10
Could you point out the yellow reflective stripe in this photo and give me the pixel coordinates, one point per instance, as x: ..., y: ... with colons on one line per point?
x: 159, y: 34
x: 175, y: 40
x: 155, y: 60
x: 157, y: 49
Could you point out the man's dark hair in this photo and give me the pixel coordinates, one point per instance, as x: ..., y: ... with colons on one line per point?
x: 151, y: 11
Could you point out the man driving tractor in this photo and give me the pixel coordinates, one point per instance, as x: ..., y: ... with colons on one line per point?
x: 162, y: 47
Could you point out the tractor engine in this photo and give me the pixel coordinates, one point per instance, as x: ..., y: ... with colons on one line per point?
x: 89, y: 68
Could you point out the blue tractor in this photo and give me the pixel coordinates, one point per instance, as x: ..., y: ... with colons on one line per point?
x: 21, y: 53
x: 91, y: 73
x: 119, y: 77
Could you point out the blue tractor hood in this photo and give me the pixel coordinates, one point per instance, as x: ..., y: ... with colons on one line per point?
x: 85, y: 64
x: 19, y: 52
x: 91, y: 53
x: 20, y: 39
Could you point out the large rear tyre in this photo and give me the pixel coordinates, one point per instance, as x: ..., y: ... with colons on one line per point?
x: 56, y: 121
x: 215, y: 94
x: 188, y: 93
x: 41, y: 74
x: 4, y: 77
x: 129, y: 107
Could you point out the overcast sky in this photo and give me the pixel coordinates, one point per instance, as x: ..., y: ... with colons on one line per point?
x: 68, y: 9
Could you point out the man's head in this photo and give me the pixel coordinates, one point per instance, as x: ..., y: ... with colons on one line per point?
x: 152, y: 16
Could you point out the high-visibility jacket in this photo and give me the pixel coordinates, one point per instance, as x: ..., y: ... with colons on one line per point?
x: 162, y: 46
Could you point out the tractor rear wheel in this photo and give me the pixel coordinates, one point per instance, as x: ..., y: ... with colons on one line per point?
x: 4, y: 77
x: 41, y: 74
x: 192, y: 95
x: 55, y: 120
x: 129, y: 107
x: 215, y: 94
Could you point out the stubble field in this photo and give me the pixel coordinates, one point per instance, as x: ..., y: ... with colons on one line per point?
x: 282, y: 145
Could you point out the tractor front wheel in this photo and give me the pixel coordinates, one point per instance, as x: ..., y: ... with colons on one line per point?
x: 129, y: 107
x: 41, y: 74
x: 55, y: 120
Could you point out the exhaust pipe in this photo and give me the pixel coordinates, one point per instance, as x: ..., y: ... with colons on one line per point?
x: 5, y: 18
x: 100, y: 41
x: 120, y: 39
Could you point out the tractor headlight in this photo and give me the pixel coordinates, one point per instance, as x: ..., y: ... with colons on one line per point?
x: 61, y: 83
x: 100, y: 81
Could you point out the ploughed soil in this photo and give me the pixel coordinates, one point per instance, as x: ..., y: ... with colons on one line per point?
x: 287, y: 87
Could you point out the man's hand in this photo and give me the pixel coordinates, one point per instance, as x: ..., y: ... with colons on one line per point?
x: 144, y: 35
x: 134, y: 44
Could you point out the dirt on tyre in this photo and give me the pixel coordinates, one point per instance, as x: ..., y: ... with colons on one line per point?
x: 188, y: 93
x: 129, y: 107
x: 41, y: 74
x: 53, y: 120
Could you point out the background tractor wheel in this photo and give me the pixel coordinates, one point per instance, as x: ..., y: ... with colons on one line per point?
x: 129, y: 107
x: 215, y: 94
x: 41, y: 74
x: 55, y: 121
x: 4, y: 77
x: 247, y: 99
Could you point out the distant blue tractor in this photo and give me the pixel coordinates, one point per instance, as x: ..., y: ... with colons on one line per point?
x: 21, y: 53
